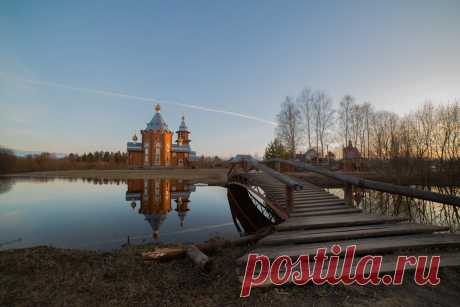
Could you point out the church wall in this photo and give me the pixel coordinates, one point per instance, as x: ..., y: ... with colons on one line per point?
x: 183, y: 136
x: 150, y: 139
x: 166, y: 149
x: 180, y: 155
x: 135, y: 159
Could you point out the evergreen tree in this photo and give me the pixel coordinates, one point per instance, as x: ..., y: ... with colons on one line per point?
x: 276, y: 149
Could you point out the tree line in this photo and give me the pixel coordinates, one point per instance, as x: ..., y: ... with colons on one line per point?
x: 312, y: 120
x: 10, y: 163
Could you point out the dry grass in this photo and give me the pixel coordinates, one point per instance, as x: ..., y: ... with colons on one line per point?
x: 44, y: 276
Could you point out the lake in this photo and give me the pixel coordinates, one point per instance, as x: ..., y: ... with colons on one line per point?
x: 102, y: 214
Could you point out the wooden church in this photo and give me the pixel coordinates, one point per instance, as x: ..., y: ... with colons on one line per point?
x: 157, y: 149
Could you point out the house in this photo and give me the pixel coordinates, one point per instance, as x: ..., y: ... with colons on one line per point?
x: 351, y: 158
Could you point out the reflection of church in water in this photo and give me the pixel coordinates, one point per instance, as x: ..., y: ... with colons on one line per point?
x: 156, y: 196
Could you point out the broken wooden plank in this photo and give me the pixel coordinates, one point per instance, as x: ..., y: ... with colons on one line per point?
x: 164, y: 253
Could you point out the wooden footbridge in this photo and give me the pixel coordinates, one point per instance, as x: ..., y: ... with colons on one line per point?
x: 308, y: 217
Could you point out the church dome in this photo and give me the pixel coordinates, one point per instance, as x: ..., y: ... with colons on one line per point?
x: 157, y: 122
x: 183, y: 126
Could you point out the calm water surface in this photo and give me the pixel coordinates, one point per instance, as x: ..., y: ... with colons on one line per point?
x: 100, y: 215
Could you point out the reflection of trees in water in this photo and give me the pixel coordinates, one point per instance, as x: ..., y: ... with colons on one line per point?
x: 6, y: 184
x: 96, y: 181
x: 101, y: 181
x: 416, y: 210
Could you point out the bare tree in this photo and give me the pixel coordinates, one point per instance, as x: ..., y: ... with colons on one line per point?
x: 344, y: 115
x: 429, y: 136
x: 323, y: 115
x: 305, y: 101
x: 448, y: 131
x: 289, y: 122
x: 356, y: 123
x: 367, y: 113
x: 425, y: 116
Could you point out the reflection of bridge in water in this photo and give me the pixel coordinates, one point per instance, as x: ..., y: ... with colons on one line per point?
x: 309, y: 217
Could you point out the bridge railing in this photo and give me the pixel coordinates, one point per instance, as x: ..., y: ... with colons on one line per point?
x: 350, y: 181
x: 247, y: 162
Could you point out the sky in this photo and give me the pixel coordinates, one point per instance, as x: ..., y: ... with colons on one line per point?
x: 79, y: 76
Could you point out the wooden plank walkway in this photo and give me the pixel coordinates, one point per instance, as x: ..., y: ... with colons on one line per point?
x: 321, y: 219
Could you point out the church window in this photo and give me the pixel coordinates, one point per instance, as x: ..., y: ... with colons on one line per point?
x: 146, y: 153
x: 157, y: 153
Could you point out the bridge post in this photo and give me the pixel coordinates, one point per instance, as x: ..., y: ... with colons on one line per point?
x: 278, y: 166
x: 348, y: 194
x: 244, y: 165
x: 289, y: 198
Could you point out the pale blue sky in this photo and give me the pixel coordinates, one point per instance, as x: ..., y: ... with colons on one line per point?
x: 237, y: 56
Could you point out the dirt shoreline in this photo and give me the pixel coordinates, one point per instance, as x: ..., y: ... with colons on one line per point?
x: 44, y: 276
x: 215, y: 176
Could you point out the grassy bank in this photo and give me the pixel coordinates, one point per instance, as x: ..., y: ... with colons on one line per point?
x: 44, y: 276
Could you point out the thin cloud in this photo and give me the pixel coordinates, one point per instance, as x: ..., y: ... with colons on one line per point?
x: 140, y: 98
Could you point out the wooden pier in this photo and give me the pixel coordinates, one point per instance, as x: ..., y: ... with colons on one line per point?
x: 315, y: 218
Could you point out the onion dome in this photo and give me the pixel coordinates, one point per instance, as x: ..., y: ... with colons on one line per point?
x: 157, y: 122
x: 182, y: 209
x: 155, y: 220
x: 183, y: 126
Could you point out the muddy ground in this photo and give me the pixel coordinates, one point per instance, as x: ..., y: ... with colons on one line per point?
x: 44, y: 276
